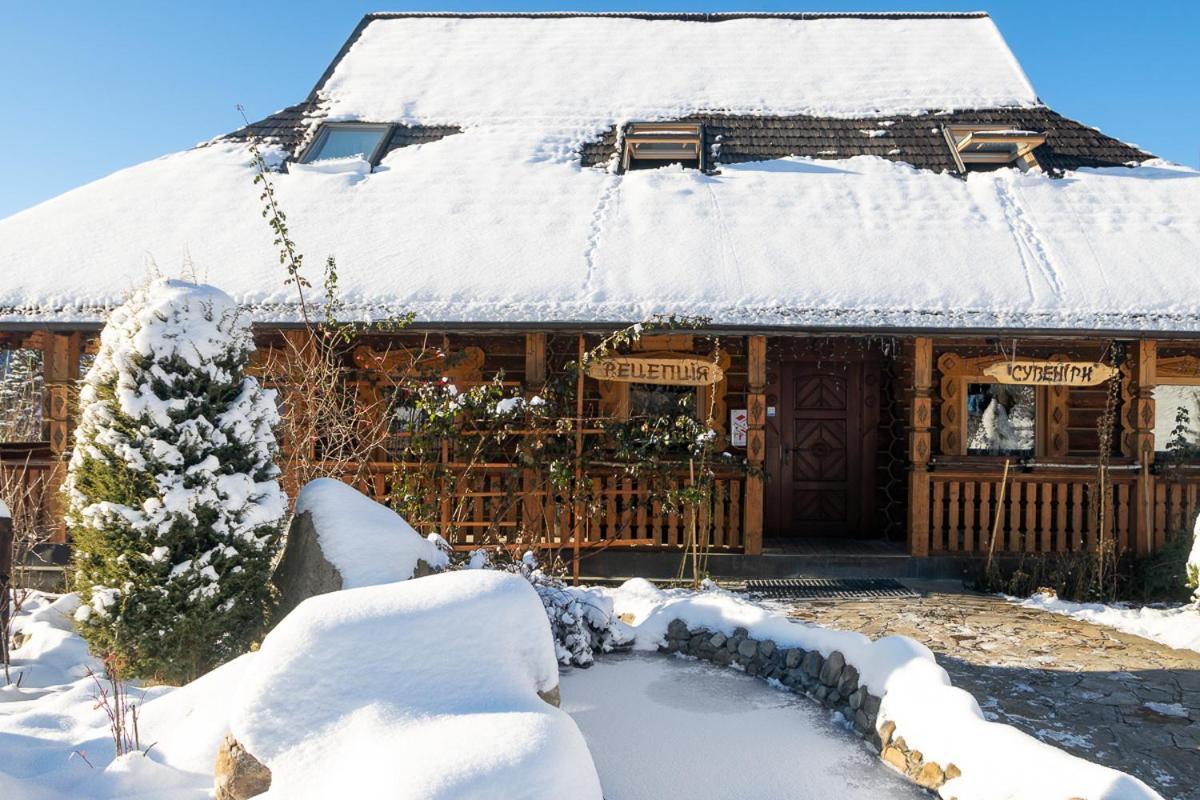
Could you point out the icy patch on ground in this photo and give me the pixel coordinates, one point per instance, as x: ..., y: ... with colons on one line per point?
x: 945, y: 723
x: 669, y: 727
x: 1177, y: 627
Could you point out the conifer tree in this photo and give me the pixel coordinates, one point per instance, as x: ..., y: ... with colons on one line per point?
x: 174, y: 505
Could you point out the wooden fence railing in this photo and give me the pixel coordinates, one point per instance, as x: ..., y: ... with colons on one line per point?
x: 1046, y: 512
x: 28, y: 483
x: 496, y: 503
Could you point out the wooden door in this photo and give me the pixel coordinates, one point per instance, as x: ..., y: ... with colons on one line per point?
x: 826, y: 449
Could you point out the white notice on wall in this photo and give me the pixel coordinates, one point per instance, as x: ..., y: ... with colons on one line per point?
x: 737, y: 427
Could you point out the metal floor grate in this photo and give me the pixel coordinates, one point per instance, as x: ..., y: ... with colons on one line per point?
x: 827, y: 588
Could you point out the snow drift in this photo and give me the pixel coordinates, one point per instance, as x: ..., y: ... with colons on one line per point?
x: 421, y: 689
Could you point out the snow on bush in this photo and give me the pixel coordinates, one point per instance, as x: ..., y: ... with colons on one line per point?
x: 420, y: 689
x: 582, y: 620
x: 174, y: 506
x: 943, y: 722
x: 367, y: 542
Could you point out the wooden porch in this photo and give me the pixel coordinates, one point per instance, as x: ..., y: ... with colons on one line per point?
x: 953, y: 503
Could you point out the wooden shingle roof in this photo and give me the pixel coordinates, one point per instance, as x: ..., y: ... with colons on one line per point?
x: 916, y: 140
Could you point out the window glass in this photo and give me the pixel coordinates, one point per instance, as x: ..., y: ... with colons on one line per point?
x: 1000, y: 419
x: 20, y: 395
x: 646, y: 400
x: 346, y: 142
x: 1176, y: 418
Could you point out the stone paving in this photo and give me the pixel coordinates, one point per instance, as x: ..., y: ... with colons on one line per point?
x: 1106, y: 696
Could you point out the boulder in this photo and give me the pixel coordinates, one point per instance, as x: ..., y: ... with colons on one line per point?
x: 831, y: 671
x: 342, y: 539
x: 553, y: 695
x: 237, y: 775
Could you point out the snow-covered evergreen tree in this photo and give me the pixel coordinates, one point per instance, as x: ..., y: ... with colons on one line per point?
x: 173, y: 500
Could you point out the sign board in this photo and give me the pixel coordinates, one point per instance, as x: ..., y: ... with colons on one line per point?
x: 658, y: 371
x: 1051, y: 373
x: 739, y: 422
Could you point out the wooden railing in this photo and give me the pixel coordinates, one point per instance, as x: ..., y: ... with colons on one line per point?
x: 28, y: 480
x: 1053, y: 512
x: 496, y: 503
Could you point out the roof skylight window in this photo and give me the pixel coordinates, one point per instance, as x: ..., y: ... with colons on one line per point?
x: 655, y: 144
x: 347, y: 140
x: 991, y: 146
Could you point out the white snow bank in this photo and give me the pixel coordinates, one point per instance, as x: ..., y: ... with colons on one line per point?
x: 51, y: 727
x: 594, y: 70
x: 368, y: 542
x: 51, y: 654
x: 998, y: 762
x: 1177, y: 626
x: 4, y: 512
x: 421, y: 689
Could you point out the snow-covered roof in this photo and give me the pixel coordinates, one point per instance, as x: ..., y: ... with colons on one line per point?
x: 501, y: 222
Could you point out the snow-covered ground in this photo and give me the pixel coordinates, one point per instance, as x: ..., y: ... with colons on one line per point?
x: 1174, y: 626
x: 427, y: 688
x: 668, y: 727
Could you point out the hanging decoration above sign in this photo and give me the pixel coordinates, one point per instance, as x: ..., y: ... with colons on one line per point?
x: 658, y: 371
x: 1051, y: 373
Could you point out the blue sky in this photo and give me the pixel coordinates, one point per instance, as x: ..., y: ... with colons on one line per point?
x: 92, y: 87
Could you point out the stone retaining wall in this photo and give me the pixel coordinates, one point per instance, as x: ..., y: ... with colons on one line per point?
x: 830, y: 681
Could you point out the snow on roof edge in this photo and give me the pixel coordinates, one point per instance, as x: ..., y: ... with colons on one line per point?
x: 781, y: 318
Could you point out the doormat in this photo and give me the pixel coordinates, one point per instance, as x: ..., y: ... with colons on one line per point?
x: 827, y: 588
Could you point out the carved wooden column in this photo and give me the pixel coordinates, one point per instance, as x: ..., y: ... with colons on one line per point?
x: 919, y: 448
x: 756, y: 442
x: 531, y: 481
x: 1143, y: 443
x: 60, y: 375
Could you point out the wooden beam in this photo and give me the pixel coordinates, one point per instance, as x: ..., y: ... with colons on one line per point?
x: 756, y: 442
x: 1143, y: 444
x: 60, y: 377
x: 535, y: 361
x: 535, y: 379
x: 919, y: 447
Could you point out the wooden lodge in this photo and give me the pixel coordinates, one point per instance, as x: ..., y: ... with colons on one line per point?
x: 984, y: 362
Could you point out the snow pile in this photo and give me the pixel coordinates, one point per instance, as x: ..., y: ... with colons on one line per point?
x: 57, y: 744
x: 421, y: 689
x: 367, y: 542
x: 51, y: 653
x: 582, y: 620
x: 424, y: 689
x: 1177, y: 627
x: 593, y: 70
x: 943, y: 722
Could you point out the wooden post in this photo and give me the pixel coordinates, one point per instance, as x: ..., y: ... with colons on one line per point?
x: 60, y: 374
x: 535, y: 378
x: 919, y: 448
x: 578, y: 521
x: 6, y: 568
x: 1143, y: 444
x: 756, y: 442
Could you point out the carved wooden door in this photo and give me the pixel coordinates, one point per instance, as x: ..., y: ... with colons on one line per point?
x: 821, y: 449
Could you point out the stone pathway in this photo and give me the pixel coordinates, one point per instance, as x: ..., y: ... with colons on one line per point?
x: 1107, y: 696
